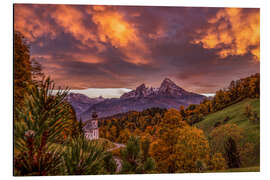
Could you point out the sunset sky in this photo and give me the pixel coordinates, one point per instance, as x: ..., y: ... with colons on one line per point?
x: 200, y: 49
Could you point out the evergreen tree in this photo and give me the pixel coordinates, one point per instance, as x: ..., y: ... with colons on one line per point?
x: 145, y: 148
x: 83, y: 157
x: 109, y: 163
x: 41, y: 122
x: 133, y: 160
x: 80, y: 130
x: 231, y: 153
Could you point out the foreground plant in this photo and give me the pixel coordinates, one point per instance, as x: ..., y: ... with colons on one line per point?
x: 133, y: 160
x: 84, y: 157
x: 40, y: 124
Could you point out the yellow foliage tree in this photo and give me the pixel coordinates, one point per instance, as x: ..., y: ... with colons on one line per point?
x: 217, y: 162
x: 179, y: 146
x: 124, y: 136
x: 192, y: 146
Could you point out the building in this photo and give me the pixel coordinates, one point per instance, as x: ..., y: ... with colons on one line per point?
x: 91, y: 128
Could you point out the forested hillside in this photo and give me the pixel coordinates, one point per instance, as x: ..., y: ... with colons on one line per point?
x: 226, y: 128
x: 247, y: 124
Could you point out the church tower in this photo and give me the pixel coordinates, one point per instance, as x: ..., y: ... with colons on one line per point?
x: 91, y: 127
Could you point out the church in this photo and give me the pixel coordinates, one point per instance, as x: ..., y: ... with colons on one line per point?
x: 91, y: 128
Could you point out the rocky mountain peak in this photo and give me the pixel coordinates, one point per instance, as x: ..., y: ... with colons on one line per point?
x: 141, y: 87
x: 168, y: 95
x: 169, y: 88
x: 167, y: 83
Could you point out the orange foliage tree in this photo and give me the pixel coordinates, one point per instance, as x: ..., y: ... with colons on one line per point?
x: 179, y: 145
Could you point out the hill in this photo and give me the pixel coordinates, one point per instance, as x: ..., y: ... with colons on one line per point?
x: 235, y: 114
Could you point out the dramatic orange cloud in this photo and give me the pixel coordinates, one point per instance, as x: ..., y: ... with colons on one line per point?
x: 113, y: 28
x: 71, y: 19
x: 234, y: 32
x: 29, y: 24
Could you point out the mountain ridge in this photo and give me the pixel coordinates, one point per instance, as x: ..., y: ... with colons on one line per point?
x: 168, y: 95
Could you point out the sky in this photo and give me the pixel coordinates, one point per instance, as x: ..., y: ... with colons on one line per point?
x: 200, y: 49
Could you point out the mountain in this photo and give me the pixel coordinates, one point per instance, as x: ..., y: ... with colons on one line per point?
x: 81, y: 102
x: 167, y: 88
x: 168, y: 95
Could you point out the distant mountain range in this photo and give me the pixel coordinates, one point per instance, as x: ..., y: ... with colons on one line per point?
x: 168, y: 95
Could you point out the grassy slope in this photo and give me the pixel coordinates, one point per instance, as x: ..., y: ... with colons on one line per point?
x: 236, y: 115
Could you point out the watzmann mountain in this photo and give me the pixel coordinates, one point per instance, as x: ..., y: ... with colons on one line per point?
x: 168, y: 95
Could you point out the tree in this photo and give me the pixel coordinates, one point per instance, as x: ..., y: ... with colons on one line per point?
x: 132, y: 158
x: 179, y: 146
x: 192, y: 150
x: 231, y: 153
x: 80, y: 128
x: 109, y: 163
x: 41, y: 122
x: 164, y: 148
x: 83, y: 157
x: 217, y: 162
x: 247, y: 154
x: 220, y: 134
x: 36, y: 72
x: 22, y: 68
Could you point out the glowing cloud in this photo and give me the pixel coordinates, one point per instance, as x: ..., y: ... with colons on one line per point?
x: 71, y: 19
x: 113, y: 28
x: 233, y: 32
x: 30, y: 24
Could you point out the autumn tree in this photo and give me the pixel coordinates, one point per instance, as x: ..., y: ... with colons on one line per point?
x: 220, y: 134
x: 217, y: 162
x: 192, y: 148
x: 22, y: 68
x: 179, y: 145
x: 247, y: 154
x: 36, y: 71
